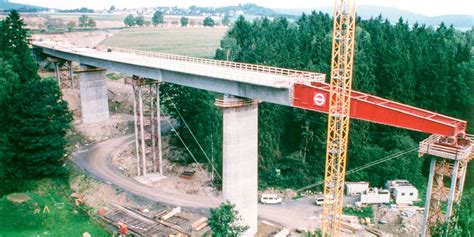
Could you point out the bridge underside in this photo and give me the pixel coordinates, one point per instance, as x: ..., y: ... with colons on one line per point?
x: 274, y: 95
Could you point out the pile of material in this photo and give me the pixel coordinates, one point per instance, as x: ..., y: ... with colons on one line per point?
x: 199, y: 224
x: 350, y: 224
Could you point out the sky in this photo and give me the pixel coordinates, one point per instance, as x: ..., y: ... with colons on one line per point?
x: 426, y: 7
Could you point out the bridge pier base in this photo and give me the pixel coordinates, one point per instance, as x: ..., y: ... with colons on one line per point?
x: 94, y: 98
x: 240, y: 157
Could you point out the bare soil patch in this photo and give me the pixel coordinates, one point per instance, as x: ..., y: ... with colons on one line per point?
x: 18, y: 197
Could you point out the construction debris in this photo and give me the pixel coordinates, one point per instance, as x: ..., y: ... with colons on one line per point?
x: 199, y: 224
x: 282, y: 233
x: 78, y: 198
x: 350, y: 224
x: 365, y: 221
x: 139, y: 224
x: 350, y: 219
x: 374, y: 231
x: 187, y: 174
x: 170, y: 214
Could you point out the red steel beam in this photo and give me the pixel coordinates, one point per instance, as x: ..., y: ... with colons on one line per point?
x: 379, y: 110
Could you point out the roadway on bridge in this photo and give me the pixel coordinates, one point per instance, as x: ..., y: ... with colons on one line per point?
x: 96, y: 160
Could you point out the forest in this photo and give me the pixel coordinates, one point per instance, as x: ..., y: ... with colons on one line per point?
x: 413, y: 64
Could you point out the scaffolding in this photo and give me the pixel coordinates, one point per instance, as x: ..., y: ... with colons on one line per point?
x: 63, y: 72
x: 446, y: 179
x: 146, y: 108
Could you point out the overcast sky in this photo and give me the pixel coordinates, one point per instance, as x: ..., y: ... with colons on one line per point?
x: 426, y: 7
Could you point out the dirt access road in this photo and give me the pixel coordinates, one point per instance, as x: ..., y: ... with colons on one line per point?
x: 96, y: 160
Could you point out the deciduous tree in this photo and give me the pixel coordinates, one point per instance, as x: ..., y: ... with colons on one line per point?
x: 208, y: 21
x: 158, y: 18
x: 224, y: 221
x: 184, y: 21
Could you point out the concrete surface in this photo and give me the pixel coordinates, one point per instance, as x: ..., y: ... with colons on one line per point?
x: 94, y: 100
x: 240, y: 160
x: 223, y: 82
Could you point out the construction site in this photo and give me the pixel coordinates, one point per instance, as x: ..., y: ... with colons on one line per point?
x: 131, y: 178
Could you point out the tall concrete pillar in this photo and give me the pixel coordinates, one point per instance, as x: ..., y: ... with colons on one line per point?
x: 240, y: 157
x: 94, y: 99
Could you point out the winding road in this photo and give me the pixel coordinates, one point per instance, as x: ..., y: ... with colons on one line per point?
x: 96, y: 160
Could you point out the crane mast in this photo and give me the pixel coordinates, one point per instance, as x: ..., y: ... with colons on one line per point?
x: 339, y: 110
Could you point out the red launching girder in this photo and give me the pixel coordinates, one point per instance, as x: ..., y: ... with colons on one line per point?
x: 378, y: 110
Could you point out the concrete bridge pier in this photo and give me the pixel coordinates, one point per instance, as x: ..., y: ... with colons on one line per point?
x: 94, y: 98
x: 240, y: 157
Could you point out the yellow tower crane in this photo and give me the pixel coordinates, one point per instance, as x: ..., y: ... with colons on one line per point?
x: 338, y: 120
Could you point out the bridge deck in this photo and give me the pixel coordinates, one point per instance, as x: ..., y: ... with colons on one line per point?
x: 300, y: 89
x: 226, y: 70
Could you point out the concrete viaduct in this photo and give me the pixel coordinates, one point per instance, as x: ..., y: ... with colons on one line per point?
x: 243, y: 86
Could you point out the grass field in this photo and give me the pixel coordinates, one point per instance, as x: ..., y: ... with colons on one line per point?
x: 198, y: 42
x: 49, y: 212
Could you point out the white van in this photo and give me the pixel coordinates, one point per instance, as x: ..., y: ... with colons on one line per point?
x: 319, y: 200
x: 270, y: 199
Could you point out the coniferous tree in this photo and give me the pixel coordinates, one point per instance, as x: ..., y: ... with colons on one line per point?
x: 14, y: 40
x: 34, y: 141
x: 33, y: 117
x: 421, y: 66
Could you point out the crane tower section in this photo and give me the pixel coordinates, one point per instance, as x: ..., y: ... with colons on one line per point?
x: 339, y: 111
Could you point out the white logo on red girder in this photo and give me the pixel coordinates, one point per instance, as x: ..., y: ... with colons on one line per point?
x: 319, y: 99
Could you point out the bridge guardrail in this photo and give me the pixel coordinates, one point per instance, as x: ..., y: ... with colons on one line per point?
x: 300, y: 75
x: 277, y: 77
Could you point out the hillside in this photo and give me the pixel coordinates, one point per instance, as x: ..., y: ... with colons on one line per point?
x: 7, y: 5
x: 393, y: 14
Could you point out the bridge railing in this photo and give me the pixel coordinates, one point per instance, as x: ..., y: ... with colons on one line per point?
x: 299, y: 75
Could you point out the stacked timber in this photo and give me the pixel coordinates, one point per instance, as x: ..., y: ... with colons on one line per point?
x: 171, y: 214
x: 282, y: 233
x: 374, y: 231
x: 199, y: 224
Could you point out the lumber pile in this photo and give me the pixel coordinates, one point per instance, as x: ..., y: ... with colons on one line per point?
x: 374, y: 231
x: 171, y: 214
x: 282, y: 233
x: 199, y: 224
x: 350, y: 224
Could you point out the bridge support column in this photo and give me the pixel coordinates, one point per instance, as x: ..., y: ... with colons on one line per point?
x: 57, y: 73
x: 147, y: 111
x: 240, y: 157
x: 437, y: 193
x: 94, y: 99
